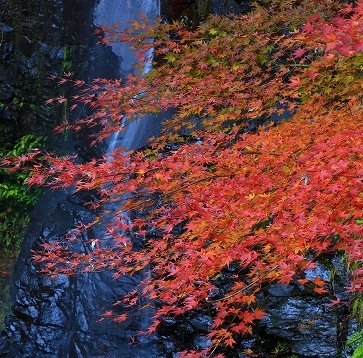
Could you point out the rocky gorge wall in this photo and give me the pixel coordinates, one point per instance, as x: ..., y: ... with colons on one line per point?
x: 32, y: 47
x: 37, y: 39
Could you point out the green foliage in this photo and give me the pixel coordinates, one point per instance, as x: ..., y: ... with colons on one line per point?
x: 16, y: 198
x: 355, y: 338
x: 170, y: 57
x: 357, y: 307
x: 13, y: 188
x: 19, y: 103
x: 67, y: 64
x: 358, y: 352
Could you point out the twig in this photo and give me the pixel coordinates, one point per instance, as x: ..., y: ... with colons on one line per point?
x: 246, y: 287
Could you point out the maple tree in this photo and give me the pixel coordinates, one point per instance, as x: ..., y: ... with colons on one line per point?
x: 260, y: 166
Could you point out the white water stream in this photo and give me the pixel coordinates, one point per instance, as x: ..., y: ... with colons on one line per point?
x: 60, y: 318
x: 109, y: 12
x: 132, y: 135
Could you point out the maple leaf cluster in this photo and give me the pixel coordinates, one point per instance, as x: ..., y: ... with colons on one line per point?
x: 260, y: 167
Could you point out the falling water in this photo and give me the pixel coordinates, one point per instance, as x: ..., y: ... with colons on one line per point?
x: 131, y: 135
x: 135, y: 134
x: 60, y: 318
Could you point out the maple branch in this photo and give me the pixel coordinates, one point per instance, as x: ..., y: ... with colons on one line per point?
x: 250, y: 152
x: 146, y: 197
x: 232, y: 295
x: 244, y: 288
x: 298, y: 65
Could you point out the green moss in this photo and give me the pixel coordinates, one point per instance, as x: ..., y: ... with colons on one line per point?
x: 68, y: 54
x: 16, y: 199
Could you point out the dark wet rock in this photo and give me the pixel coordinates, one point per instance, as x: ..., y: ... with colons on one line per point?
x: 195, y: 11
x: 307, y: 321
x: 248, y: 343
x: 5, y: 29
x: 202, y: 342
x: 299, y: 322
x: 226, y: 7
x: 279, y: 290
x: 298, y: 316
x: 201, y: 322
x: 24, y: 66
x: 61, y: 315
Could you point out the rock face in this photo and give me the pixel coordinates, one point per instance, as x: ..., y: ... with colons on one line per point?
x: 299, y: 322
x: 60, y: 317
x: 195, y: 11
x: 307, y: 323
x: 31, y: 49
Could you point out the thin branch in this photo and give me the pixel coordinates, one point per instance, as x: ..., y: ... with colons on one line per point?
x: 246, y: 287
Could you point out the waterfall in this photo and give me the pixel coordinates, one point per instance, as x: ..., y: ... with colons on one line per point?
x: 109, y: 12
x: 131, y: 134
x: 135, y: 134
x: 60, y: 318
